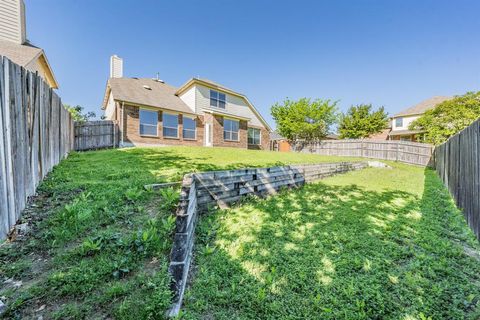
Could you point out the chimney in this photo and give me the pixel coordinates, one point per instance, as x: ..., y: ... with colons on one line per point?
x: 116, y: 67
x: 13, y: 26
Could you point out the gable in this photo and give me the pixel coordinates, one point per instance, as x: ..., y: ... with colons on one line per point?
x: 237, y: 103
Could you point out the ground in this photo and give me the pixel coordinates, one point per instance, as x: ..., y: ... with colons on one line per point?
x: 370, y: 244
x: 377, y: 243
x: 97, y: 243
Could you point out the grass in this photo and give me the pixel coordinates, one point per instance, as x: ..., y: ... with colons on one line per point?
x: 371, y: 244
x: 98, y: 244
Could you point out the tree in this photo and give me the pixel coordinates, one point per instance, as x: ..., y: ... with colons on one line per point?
x: 77, y: 113
x: 304, y: 119
x: 448, y: 118
x: 361, y: 121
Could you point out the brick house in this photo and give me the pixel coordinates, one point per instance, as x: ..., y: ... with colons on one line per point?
x: 199, y: 113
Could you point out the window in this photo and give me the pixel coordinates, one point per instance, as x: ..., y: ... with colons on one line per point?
x: 148, y: 123
x: 189, y: 128
x: 170, y: 125
x: 217, y: 99
x: 230, y: 129
x: 399, y: 122
x: 253, y: 136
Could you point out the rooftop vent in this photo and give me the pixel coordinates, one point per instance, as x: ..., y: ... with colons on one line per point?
x: 158, y: 78
x: 146, y: 87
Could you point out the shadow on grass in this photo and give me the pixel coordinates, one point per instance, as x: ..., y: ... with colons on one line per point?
x: 336, y: 252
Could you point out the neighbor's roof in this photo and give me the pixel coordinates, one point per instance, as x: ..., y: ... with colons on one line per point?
x: 24, y: 54
x: 403, y: 132
x: 159, y: 95
x: 274, y: 135
x: 423, y: 106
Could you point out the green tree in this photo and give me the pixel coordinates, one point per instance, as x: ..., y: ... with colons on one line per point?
x: 304, y: 119
x: 78, y: 114
x: 448, y: 118
x: 361, y: 121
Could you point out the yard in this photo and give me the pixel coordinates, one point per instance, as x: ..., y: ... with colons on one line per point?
x: 99, y: 243
x: 376, y: 243
x: 370, y: 244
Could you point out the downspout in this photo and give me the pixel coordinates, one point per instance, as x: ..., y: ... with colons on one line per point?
x: 121, y: 139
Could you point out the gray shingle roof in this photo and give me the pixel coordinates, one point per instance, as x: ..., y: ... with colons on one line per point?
x: 423, y: 106
x: 21, y: 54
x: 161, y: 95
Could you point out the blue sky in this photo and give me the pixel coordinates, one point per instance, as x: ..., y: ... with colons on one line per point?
x: 390, y: 53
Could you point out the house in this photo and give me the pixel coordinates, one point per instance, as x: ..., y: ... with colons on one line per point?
x: 198, y: 113
x: 402, y: 120
x: 14, y: 44
x: 279, y: 143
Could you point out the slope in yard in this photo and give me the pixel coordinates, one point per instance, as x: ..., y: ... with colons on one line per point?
x: 370, y: 244
x: 98, y: 244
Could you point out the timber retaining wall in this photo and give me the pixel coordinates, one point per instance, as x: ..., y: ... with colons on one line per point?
x: 200, y: 191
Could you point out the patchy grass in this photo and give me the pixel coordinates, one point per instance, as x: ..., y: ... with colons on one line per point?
x: 371, y: 244
x: 98, y: 243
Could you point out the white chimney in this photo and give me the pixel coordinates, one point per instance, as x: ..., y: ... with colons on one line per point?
x: 116, y: 67
x: 12, y: 18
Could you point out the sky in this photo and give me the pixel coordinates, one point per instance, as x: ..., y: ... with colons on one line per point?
x: 392, y: 53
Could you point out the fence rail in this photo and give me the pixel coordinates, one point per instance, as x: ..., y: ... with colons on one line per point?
x: 96, y: 135
x: 36, y: 133
x: 457, y: 162
x: 402, y: 151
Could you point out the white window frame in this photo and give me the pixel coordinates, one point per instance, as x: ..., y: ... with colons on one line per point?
x: 217, y: 105
x: 151, y: 125
x: 194, y: 119
x: 230, y: 131
x: 163, y: 125
x: 259, y: 136
x: 396, y: 124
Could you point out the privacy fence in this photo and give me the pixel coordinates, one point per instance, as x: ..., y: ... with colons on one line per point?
x: 402, y: 151
x: 220, y: 188
x: 457, y: 162
x: 36, y: 133
x: 96, y: 135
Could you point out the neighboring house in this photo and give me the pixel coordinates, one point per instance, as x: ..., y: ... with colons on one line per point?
x: 402, y: 120
x: 199, y: 113
x: 382, y: 135
x: 279, y: 143
x: 14, y: 44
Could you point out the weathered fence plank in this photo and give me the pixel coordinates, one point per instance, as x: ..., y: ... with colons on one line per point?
x: 32, y: 137
x: 96, y: 135
x: 457, y: 163
x: 403, y: 151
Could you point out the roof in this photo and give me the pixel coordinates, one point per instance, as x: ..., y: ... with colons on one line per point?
x: 160, y: 95
x: 423, y: 106
x: 274, y: 135
x: 24, y: 54
x: 332, y: 136
x: 214, y: 85
x: 403, y: 132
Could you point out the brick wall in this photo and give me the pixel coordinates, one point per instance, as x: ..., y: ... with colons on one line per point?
x: 131, y: 131
x: 218, y: 140
x: 131, y: 128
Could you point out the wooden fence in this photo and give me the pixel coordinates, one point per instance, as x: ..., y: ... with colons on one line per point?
x: 457, y: 162
x: 96, y: 135
x: 36, y: 133
x: 402, y: 151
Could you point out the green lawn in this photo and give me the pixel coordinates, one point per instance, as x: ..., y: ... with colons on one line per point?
x: 99, y: 243
x: 370, y: 244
